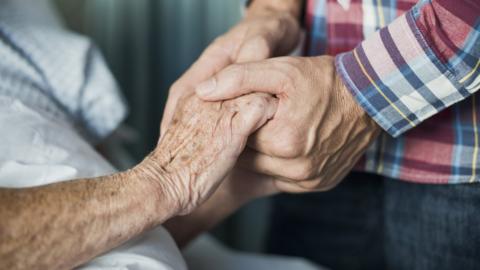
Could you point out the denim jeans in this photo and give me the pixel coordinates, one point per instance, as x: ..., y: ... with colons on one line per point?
x: 369, y: 222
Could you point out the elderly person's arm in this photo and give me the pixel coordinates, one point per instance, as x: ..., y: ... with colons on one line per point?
x: 62, y: 225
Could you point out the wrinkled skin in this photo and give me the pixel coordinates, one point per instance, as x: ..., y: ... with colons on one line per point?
x: 261, y: 34
x: 319, y: 131
x: 203, y: 143
x: 189, y: 163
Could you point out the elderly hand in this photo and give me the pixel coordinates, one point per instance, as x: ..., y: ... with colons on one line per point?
x: 189, y: 163
x: 262, y: 34
x: 202, y: 145
x: 318, y: 132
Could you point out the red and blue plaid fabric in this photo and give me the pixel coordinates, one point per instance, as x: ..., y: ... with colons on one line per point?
x: 414, y: 67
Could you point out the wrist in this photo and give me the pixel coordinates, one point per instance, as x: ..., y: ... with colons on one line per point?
x: 154, y: 188
x: 348, y: 100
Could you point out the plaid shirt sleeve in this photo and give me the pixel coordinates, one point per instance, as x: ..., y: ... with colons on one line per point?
x: 423, y: 62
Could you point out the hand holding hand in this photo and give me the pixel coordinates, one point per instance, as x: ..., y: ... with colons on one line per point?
x: 202, y: 145
x: 319, y: 130
x: 262, y: 34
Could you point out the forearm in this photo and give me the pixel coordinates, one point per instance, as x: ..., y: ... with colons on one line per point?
x: 62, y: 225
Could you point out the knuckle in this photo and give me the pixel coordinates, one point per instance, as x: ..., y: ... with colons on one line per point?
x: 287, y: 82
x: 252, y: 106
x: 260, y: 100
x: 257, y: 104
x: 290, y: 72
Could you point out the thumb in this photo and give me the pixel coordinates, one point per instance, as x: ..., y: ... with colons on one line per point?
x: 240, y: 79
x: 255, y: 49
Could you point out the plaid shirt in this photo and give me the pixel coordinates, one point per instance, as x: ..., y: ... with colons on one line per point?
x: 414, y: 67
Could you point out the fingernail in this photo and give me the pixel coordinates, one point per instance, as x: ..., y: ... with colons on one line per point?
x: 206, y: 88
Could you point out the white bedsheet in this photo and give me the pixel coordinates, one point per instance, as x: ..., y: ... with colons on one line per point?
x: 35, y: 150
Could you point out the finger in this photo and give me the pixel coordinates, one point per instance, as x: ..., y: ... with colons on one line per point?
x: 240, y: 79
x: 295, y: 169
x: 216, y: 57
x: 252, y: 112
x: 329, y: 179
x: 290, y: 187
x: 255, y: 49
x: 168, y: 113
x: 280, y: 137
x: 276, y: 37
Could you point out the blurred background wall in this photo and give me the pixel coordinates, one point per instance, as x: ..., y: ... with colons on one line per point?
x: 148, y: 44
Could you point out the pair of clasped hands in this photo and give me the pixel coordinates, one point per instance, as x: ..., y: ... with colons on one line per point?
x: 253, y: 123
